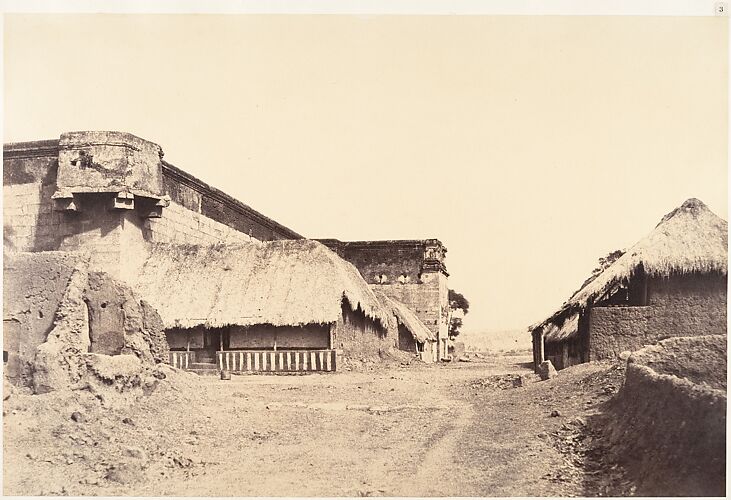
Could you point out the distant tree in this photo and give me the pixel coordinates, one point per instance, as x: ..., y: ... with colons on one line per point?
x: 457, y: 302
x: 604, y: 262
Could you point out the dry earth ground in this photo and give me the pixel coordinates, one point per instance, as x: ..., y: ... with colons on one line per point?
x: 458, y: 429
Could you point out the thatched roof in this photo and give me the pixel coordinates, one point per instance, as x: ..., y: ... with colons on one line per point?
x: 286, y: 282
x: 562, y: 330
x: 690, y: 239
x: 407, y: 318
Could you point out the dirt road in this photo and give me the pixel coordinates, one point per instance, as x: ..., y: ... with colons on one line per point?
x: 459, y: 429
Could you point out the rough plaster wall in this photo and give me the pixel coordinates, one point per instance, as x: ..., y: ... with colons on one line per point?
x: 33, y: 287
x: 669, y: 431
x: 688, y: 305
x: 179, y: 224
x: 681, y: 306
x: 106, y: 160
x: 430, y: 352
x: 286, y: 337
x: 613, y: 330
x: 358, y: 337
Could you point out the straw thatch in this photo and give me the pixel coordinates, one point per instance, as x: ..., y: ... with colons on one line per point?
x: 407, y: 318
x: 690, y: 239
x: 562, y: 330
x: 288, y: 282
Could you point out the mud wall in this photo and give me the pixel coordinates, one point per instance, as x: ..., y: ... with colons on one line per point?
x: 359, y: 337
x: 678, y: 306
x: 120, y: 324
x: 285, y: 337
x: 669, y: 426
x: 33, y: 287
x: 51, y: 297
x: 701, y: 360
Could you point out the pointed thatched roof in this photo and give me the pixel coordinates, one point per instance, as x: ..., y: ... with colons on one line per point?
x: 286, y: 282
x: 406, y: 317
x: 690, y: 239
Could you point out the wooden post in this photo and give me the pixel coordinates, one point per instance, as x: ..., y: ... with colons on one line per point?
x: 541, y: 348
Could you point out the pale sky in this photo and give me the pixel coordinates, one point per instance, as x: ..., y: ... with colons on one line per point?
x: 530, y: 146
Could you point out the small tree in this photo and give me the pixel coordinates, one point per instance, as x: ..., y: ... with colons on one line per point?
x: 457, y: 302
x: 604, y: 262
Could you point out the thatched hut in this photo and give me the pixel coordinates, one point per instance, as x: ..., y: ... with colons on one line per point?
x: 225, y: 303
x: 413, y: 335
x: 670, y: 283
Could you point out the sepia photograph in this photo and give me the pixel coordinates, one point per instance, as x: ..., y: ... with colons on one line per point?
x: 350, y: 249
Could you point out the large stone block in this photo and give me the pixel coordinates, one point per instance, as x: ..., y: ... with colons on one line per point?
x: 108, y: 162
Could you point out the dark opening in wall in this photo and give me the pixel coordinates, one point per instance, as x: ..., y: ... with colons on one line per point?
x: 5, y: 356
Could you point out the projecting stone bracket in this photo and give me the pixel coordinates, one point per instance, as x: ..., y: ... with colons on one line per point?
x: 124, y: 201
x: 64, y: 202
x: 151, y: 207
x: 145, y: 204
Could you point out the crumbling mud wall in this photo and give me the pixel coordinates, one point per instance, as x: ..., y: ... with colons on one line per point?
x: 678, y: 306
x: 668, y: 423
x: 360, y: 339
x: 68, y: 327
x: 120, y: 324
x: 58, y: 363
x: 99, y: 327
x: 34, y: 285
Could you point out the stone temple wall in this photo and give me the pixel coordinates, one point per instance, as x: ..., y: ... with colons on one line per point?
x: 112, y: 194
x: 409, y: 271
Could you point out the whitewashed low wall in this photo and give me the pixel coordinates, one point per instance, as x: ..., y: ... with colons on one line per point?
x: 277, y: 361
x: 182, y: 359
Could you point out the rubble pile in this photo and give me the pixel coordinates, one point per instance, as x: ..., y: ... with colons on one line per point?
x: 103, y: 340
